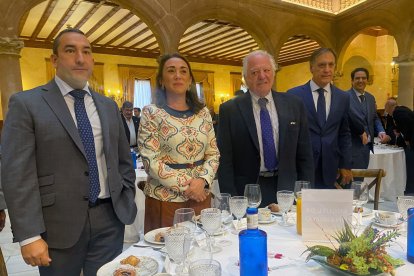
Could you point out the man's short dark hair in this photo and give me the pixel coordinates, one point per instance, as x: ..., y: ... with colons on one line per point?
x: 360, y: 69
x: 137, y: 108
x: 127, y: 104
x: 56, y: 42
x: 319, y: 52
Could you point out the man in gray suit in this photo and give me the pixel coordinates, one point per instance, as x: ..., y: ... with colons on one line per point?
x: 363, y: 109
x: 67, y: 173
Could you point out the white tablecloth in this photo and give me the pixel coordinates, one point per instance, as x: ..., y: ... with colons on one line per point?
x: 282, y: 240
x: 392, y: 160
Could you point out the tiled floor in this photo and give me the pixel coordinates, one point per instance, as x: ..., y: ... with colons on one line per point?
x: 17, y: 267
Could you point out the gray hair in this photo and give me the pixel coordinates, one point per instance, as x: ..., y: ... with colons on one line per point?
x: 257, y: 53
x: 127, y: 104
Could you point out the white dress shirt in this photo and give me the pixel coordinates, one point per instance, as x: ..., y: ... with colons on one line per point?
x: 315, y: 94
x: 132, y: 134
x: 274, y: 120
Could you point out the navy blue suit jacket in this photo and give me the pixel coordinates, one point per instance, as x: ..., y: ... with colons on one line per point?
x: 239, y: 144
x: 331, y: 144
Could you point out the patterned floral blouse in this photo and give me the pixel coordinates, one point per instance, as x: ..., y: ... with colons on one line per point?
x: 167, y: 136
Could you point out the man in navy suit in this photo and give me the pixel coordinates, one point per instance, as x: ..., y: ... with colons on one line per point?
x: 363, y: 107
x: 266, y: 143
x: 327, y: 112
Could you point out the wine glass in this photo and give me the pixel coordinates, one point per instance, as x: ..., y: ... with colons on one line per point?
x: 360, y: 197
x: 211, y: 220
x: 238, y: 206
x: 404, y: 203
x: 205, y: 267
x: 299, y: 186
x: 177, y: 248
x: 285, y: 201
x: 221, y: 202
x: 253, y: 194
x: 185, y: 217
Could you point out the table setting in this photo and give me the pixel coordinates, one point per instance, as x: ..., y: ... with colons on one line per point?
x: 287, y: 251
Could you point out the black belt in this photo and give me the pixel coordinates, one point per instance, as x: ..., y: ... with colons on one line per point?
x: 186, y: 165
x: 269, y: 174
x: 100, y: 201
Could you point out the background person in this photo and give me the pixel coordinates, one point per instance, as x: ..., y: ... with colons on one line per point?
x: 131, y: 123
x: 177, y: 144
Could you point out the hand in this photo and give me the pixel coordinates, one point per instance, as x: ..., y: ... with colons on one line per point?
x: 195, y: 190
x: 36, y: 253
x: 346, y: 176
x: 2, y: 219
x: 364, y: 138
x: 384, y: 138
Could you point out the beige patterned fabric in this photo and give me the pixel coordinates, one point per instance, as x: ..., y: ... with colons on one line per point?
x: 167, y: 139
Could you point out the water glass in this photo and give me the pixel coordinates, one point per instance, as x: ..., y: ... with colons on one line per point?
x: 205, y: 267
x: 211, y: 220
x: 360, y: 197
x: 176, y: 243
x: 285, y: 202
x: 221, y: 202
x: 253, y: 194
x: 238, y: 206
x: 185, y: 217
x: 404, y: 203
x: 301, y: 185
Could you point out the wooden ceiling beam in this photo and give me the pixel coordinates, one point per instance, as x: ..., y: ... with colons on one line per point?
x: 297, y: 45
x: 45, y: 16
x: 222, y: 48
x: 207, y: 42
x: 102, y: 21
x: 142, y: 40
x: 124, y: 33
x: 89, y: 14
x: 143, y: 31
x: 190, y: 38
x: 204, y: 37
x: 223, y: 43
x: 202, y: 27
x: 68, y: 13
x: 116, y: 25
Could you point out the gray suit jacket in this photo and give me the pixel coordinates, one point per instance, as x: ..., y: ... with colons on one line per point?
x: 44, y: 172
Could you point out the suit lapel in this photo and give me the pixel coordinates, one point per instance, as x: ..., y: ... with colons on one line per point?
x: 246, y: 110
x: 282, y: 108
x: 103, y: 117
x: 335, y: 105
x: 55, y: 100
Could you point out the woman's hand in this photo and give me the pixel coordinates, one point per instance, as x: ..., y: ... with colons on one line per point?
x: 195, y: 190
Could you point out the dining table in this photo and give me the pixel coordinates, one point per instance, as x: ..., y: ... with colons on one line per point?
x: 392, y: 160
x: 285, y: 251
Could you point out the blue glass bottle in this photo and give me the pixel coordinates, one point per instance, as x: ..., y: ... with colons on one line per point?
x: 410, y: 235
x: 253, y: 247
x: 134, y: 158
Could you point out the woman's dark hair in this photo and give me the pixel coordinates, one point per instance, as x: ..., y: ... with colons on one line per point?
x: 191, y: 95
x: 404, y: 122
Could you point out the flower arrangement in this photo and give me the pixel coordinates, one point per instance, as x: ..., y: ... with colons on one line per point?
x: 359, y: 255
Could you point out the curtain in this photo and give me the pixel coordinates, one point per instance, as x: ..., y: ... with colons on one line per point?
x: 142, y: 93
x: 129, y: 73
x: 236, y: 81
x: 206, y: 78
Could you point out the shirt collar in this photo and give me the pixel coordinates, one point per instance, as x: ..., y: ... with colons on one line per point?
x: 357, y: 92
x: 255, y: 98
x: 315, y: 87
x: 65, y: 88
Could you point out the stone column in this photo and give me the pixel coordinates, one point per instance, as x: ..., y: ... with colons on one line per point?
x: 10, y: 80
x: 406, y: 80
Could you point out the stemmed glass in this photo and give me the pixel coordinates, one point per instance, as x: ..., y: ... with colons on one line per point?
x: 404, y: 203
x: 185, y: 217
x: 205, y: 267
x: 211, y: 220
x: 221, y: 202
x: 238, y: 206
x: 360, y: 197
x: 253, y: 194
x: 177, y: 246
x: 299, y: 186
x: 285, y: 201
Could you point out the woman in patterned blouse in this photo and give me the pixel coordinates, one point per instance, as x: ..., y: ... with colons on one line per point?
x: 177, y: 144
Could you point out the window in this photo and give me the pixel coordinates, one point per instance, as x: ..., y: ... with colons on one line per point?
x: 142, y: 93
x: 200, y: 92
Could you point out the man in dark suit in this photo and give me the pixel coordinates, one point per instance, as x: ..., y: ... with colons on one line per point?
x: 67, y: 173
x: 263, y: 135
x: 327, y: 111
x: 363, y: 107
x: 131, y: 123
x: 389, y: 125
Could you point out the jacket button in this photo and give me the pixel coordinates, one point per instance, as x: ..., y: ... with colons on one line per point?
x: 86, y: 173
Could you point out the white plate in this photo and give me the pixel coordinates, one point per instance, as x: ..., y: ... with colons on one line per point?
x: 386, y: 225
x: 271, y: 220
x: 147, y: 267
x: 150, y: 236
x: 292, y: 209
x: 366, y: 212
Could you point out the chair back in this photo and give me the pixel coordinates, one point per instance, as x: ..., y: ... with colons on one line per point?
x: 377, y: 174
x: 3, y: 269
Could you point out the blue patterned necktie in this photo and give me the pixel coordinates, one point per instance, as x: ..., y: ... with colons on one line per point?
x: 268, y: 141
x: 321, y: 107
x: 86, y: 135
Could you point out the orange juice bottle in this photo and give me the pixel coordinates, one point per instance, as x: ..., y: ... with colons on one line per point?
x: 299, y: 214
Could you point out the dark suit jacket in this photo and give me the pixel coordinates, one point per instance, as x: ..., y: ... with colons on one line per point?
x: 366, y: 113
x: 331, y: 144
x: 44, y: 172
x: 239, y: 145
x: 136, y: 125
